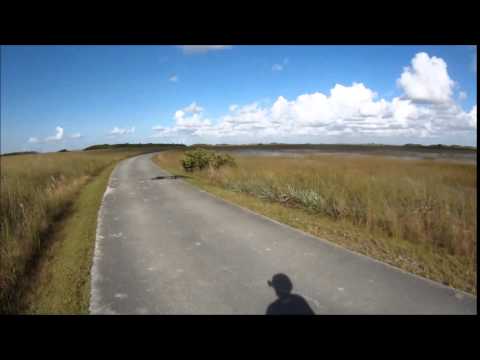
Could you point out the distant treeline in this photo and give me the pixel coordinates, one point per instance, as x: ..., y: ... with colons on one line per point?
x: 19, y: 153
x: 279, y: 146
x: 127, y: 145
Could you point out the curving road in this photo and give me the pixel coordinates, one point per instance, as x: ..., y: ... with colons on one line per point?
x: 165, y: 247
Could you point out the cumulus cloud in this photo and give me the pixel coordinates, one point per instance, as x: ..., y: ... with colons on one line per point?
x: 199, y: 49
x: 427, y: 79
x: 346, y: 111
x: 116, y: 131
x: 188, y: 121
x: 462, y: 95
x: 58, y: 135
x: 473, y: 117
x: 193, y: 108
x: 173, y: 78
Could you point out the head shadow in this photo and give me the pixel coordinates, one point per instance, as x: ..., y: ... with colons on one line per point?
x: 287, y: 303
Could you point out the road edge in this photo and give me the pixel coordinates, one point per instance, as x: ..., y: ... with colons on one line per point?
x: 95, y: 277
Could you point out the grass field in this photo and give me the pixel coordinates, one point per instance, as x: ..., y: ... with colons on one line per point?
x: 60, y: 279
x: 418, y: 215
x: 39, y: 193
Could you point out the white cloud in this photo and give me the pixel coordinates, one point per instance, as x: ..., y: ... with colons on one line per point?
x: 473, y: 117
x: 116, y: 131
x: 188, y: 121
x: 427, y: 79
x: 193, y: 108
x: 462, y: 95
x: 198, y: 49
x: 347, y: 112
x: 173, y: 78
x: 58, y: 135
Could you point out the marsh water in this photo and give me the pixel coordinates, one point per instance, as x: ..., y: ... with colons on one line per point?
x: 448, y: 156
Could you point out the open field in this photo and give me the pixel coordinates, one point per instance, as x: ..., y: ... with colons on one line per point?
x: 418, y: 215
x: 38, y: 193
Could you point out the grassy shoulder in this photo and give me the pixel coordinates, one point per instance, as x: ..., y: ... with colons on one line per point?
x: 418, y: 258
x: 61, y: 280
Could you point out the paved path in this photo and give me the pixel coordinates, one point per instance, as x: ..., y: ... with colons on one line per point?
x: 165, y: 247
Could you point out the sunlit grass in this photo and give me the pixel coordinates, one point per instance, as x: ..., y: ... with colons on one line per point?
x: 419, y: 215
x: 35, y: 192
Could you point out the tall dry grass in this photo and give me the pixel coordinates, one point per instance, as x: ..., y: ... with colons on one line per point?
x: 35, y: 190
x: 424, y: 201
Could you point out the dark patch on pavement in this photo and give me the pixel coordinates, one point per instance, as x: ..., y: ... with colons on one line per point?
x: 168, y: 177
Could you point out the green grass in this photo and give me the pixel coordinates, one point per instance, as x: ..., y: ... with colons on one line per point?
x: 61, y: 280
x: 38, y: 194
x: 416, y: 215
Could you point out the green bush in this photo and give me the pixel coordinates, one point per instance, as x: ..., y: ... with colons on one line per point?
x: 218, y: 160
x: 199, y: 159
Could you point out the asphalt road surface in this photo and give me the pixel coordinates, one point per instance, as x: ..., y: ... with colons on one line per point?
x: 166, y: 247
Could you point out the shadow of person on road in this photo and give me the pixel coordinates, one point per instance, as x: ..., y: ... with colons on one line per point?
x: 287, y: 303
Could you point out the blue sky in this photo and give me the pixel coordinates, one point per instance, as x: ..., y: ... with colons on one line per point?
x: 55, y: 97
